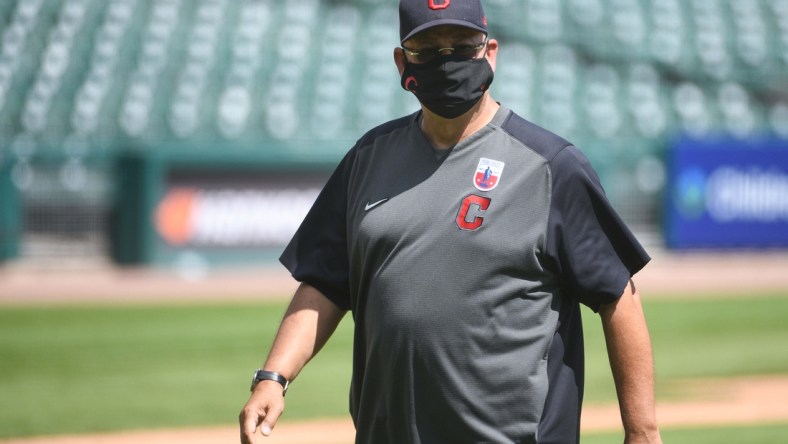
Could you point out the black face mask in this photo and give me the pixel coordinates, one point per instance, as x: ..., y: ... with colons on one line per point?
x: 449, y: 85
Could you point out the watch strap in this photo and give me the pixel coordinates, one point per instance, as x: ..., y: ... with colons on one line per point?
x: 265, y: 375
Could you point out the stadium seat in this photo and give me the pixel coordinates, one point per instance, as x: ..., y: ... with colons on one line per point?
x: 99, y: 80
x: 330, y: 101
x: 750, y: 33
x: 556, y: 100
x: 600, y: 101
x: 778, y: 119
x: 586, y: 12
x: 514, y: 81
x: 138, y: 100
x: 236, y: 103
x: 644, y: 102
x: 629, y: 26
x: 711, y: 48
x: 669, y: 32
x: 691, y: 106
x: 379, y: 94
x: 779, y: 8
x: 543, y: 19
x: 735, y: 107
x: 185, y: 114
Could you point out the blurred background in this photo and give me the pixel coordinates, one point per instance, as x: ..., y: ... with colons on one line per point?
x: 167, y: 132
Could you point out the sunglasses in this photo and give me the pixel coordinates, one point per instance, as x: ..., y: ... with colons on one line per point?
x: 425, y: 55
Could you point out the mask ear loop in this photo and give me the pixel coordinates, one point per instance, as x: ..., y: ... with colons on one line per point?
x: 410, y: 83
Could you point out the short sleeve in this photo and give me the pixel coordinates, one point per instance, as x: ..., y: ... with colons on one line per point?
x: 593, y: 251
x: 317, y: 253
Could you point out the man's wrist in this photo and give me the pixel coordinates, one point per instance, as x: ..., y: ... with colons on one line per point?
x: 267, y: 375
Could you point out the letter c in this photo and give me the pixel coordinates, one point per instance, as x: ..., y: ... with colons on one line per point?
x: 483, y: 203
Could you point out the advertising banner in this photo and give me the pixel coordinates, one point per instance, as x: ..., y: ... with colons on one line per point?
x: 232, y: 213
x: 204, y: 211
x: 727, y: 193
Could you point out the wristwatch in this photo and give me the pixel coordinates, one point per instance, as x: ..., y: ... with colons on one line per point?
x: 265, y: 375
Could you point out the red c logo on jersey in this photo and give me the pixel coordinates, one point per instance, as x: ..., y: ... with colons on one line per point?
x: 483, y: 203
x: 434, y: 5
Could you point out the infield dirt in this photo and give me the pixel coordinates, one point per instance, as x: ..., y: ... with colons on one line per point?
x: 667, y: 275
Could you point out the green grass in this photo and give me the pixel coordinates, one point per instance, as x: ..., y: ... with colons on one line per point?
x: 699, y: 338
x: 79, y: 369
x: 763, y: 434
x: 82, y: 368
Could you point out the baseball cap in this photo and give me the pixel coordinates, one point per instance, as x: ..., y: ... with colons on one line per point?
x: 417, y: 15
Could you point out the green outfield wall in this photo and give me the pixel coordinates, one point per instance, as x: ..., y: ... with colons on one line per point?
x: 10, y: 215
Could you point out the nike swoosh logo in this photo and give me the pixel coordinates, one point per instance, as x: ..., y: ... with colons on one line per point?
x: 372, y: 205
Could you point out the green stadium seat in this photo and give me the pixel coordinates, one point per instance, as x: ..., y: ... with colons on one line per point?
x: 629, y: 25
x: 750, y: 32
x: 600, y: 105
x: 515, y: 80
x: 668, y: 34
x: 543, y: 20
x: 779, y: 9
x: 738, y: 115
x: 379, y: 95
x: 694, y: 112
x: 236, y: 100
x: 100, y: 77
x: 333, y: 83
x: 186, y: 111
x: 139, y: 97
x: 588, y: 13
x: 556, y: 100
x: 645, y: 102
x: 778, y: 119
x: 711, y: 44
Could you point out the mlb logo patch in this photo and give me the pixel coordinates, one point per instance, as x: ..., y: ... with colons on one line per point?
x: 488, y: 174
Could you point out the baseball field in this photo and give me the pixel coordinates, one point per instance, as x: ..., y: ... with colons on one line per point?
x: 133, y: 357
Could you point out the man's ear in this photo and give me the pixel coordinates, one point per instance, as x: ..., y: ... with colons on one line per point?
x: 491, y: 52
x: 399, y: 60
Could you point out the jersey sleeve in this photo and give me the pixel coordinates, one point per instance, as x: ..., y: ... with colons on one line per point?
x: 594, y: 252
x: 317, y: 254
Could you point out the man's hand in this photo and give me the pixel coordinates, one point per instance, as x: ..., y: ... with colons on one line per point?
x: 262, y: 410
x: 309, y: 321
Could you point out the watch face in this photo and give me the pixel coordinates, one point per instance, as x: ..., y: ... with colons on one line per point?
x: 256, y: 378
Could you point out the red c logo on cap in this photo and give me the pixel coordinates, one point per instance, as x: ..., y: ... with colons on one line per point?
x: 443, y: 5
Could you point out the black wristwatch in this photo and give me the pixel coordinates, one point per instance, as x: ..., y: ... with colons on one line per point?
x: 265, y: 375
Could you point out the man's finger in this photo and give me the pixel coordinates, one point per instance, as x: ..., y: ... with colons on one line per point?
x: 270, y: 420
x: 248, y: 427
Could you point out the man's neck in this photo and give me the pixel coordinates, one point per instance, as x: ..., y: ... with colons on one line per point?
x: 445, y: 133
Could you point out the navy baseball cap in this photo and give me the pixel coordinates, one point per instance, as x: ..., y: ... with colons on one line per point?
x: 417, y: 15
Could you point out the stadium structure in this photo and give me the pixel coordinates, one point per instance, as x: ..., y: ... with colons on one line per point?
x: 86, y: 85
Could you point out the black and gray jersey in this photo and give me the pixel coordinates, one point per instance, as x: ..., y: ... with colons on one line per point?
x: 464, y: 270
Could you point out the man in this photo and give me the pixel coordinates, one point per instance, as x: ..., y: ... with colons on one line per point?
x: 463, y: 239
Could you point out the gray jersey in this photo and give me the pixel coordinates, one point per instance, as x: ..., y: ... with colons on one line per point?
x: 464, y: 272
